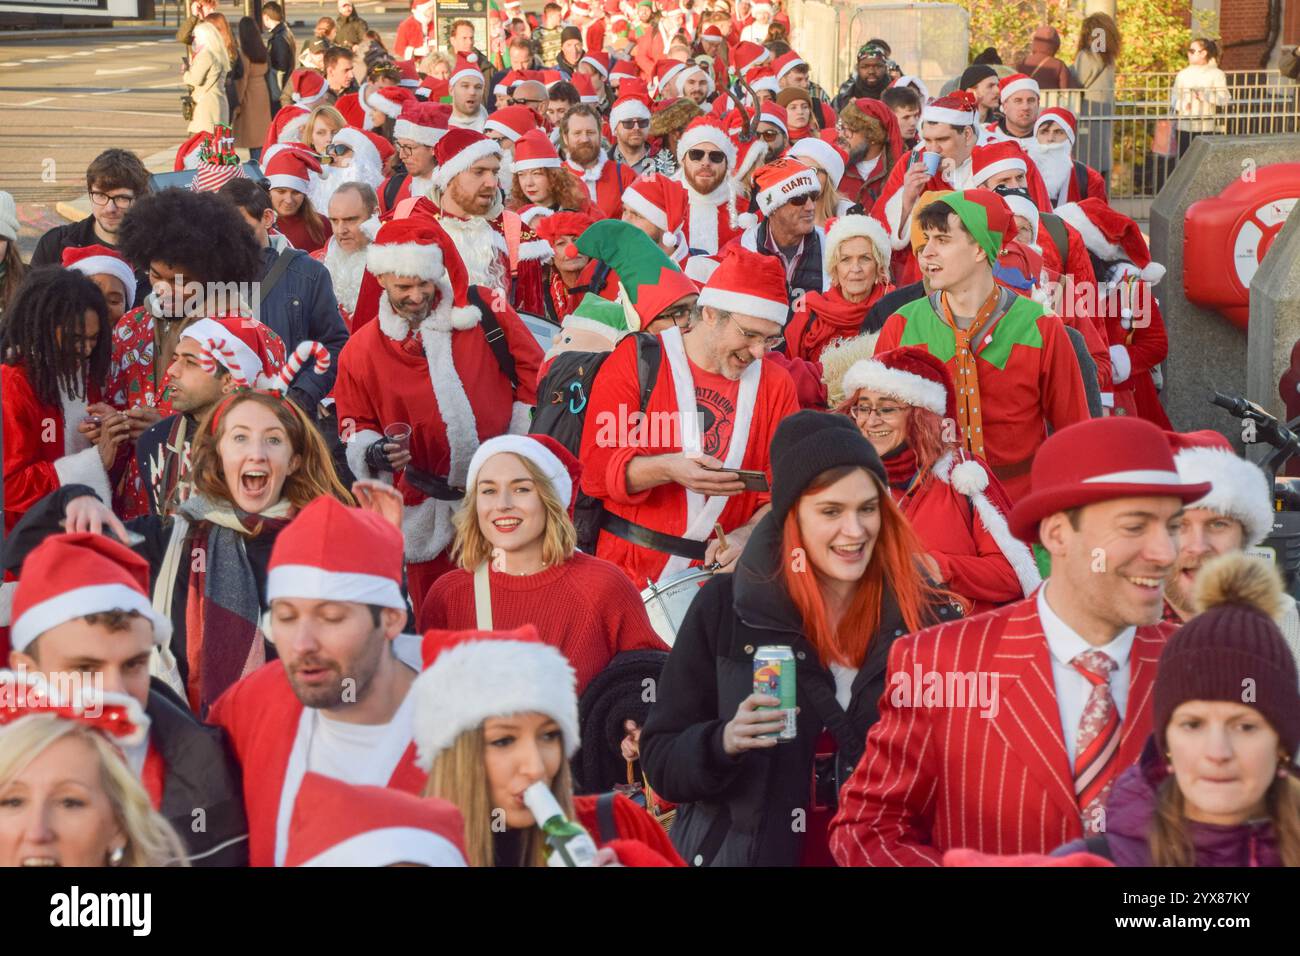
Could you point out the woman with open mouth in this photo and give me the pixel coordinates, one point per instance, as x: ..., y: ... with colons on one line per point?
x: 67, y: 795
x: 256, y: 460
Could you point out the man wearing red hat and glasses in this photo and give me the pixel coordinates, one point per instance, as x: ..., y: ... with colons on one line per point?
x: 1068, y: 672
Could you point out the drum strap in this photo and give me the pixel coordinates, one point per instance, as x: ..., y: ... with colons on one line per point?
x: 637, y: 534
x: 482, y: 598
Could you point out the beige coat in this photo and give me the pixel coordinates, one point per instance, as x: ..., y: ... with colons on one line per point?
x: 208, y: 80
x: 253, y: 114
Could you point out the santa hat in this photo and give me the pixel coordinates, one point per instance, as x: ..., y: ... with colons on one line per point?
x: 748, y: 56
x: 748, y: 155
x: 100, y: 260
x: 343, y: 824
x: 434, y: 89
x: 534, y: 150
x: 1239, y: 489
x: 786, y: 62
x: 392, y: 101
x: 410, y: 76
x: 598, y: 60
x: 659, y: 200
x: 699, y: 269
x: 457, y: 151
x: 471, y: 676
x: 252, y: 352
x: 1061, y: 117
x: 777, y: 183
x: 562, y: 223
x: 1100, y: 459
x: 187, y: 154
x: 775, y: 114
x: 956, y: 109
x: 466, y: 68
x: 712, y: 34
x: 916, y: 83
x: 418, y: 247
x: 1111, y: 236
x: 623, y: 70
x: 856, y: 112
x: 1021, y: 204
x: 383, y: 146
x: 307, y: 562
x: 512, y: 122
x: 308, y: 87
x: 649, y: 281
x: 556, y: 463
x: 749, y: 283
x: 704, y: 131
x: 291, y: 169
x: 118, y: 717
x: 585, y: 87
x: 1009, y: 86
x: 996, y: 158
x: 692, y: 68
x: 1019, y: 268
x: 424, y: 123
x: 857, y: 227
x: 68, y: 576
x: 629, y: 105
x: 665, y: 72
x: 764, y: 79
x: 826, y: 155
x: 506, y: 81
x: 909, y: 374
x: 362, y: 144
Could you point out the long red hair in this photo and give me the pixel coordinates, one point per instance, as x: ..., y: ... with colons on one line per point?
x: 893, y: 560
x: 923, y: 429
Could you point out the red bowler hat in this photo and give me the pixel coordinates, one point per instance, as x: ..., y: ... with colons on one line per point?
x: 1099, y: 460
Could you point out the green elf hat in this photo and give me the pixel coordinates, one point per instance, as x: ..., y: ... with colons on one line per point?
x: 985, y: 215
x: 649, y: 280
x: 597, y: 314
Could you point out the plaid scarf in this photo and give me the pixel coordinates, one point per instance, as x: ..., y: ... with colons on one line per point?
x: 223, y: 635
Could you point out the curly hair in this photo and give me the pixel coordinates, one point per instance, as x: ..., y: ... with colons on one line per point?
x: 202, y: 234
x: 567, y: 191
x: 40, y: 329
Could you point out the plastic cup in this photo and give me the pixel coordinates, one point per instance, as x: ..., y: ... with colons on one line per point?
x: 932, y: 161
x: 399, y: 433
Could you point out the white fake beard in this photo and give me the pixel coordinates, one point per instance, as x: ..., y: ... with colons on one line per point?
x: 346, y: 270
x: 322, y: 190
x: 1056, y: 164
x: 476, y: 242
x: 506, y: 174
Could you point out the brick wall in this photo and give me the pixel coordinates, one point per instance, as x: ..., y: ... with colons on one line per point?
x: 1241, y: 20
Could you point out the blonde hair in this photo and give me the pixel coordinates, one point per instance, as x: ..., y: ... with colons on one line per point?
x: 559, y: 539
x: 459, y: 775
x: 150, y: 839
x: 211, y: 40
x: 321, y: 112
x: 881, y: 261
x: 828, y: 202
x: 431, y: 60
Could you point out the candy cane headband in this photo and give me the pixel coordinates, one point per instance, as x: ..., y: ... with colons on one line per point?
x: 116, y: 716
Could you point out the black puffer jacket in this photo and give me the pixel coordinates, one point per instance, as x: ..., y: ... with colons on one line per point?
x: 738, y: 811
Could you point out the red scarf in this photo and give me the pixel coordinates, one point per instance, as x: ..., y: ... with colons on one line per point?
x: 831, y: 316
x: 802, y: 132
x: 900, y: 467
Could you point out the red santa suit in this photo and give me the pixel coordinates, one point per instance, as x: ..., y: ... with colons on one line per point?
x: 415, y: 34
x: 443, y: 380
x: 711, y: 220
x: 604, y: 183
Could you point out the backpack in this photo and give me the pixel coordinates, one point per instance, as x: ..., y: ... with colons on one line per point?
x: 562, y: 398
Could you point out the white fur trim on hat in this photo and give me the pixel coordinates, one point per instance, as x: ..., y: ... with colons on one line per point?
x: 713, y: 136
x: 523, y: 446
x: 904, y: 386
x: 307, y: 582
x: 92, y: 599
x: 1024, y: 207
x: 374, y: 101
x: 1022, y: 85
x: 852, y: 227
x: 463, y: 160
x: 389, y: 846
x: 632, y: 199
x: 1046, y: 117
x: 111, y: 266
x: 628, y: 108
x: 595, y: 65
x: 941, y: 114
x: 1093, y: 239
x: 787, y: 67
x: 1239, y: 489
x: 745, y: 304
x: 1001, y: 166
x: 285, y: 181
x: 248, y: 363
x: 498, y: 127
x: 823, y: 154
x: 405, y: 259
x: 479, y: 679
x: 469, y: 73
x: 802, y: 183
x: 424, y: 135
x: 543, y: 162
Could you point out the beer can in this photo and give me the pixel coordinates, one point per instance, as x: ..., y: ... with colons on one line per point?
x: 774, y: 675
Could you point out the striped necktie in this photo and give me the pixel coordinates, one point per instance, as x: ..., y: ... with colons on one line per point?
x: 1096, y: 743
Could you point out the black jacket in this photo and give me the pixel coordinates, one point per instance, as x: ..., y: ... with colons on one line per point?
x: 281, y: 50
x: 890, y: 303
x: 74, y: 235
x: 807, y: 275
x: 203, y: 796
x: 302, y: 307
x: 738, y: 811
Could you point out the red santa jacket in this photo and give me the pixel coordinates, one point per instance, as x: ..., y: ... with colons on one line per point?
x: 261, y: 715
x: 412, y: 35
x: 649, y: 50
x: 934, y: 778
x: 604, y: 183
x: 1094, y: 182
x: 1137, y: 345
x: 1078, y: 306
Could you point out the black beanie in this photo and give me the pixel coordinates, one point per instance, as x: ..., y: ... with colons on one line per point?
x: 1231, y: 651
x: 976, y: 73
x: 808, y: 443
x: 570, y: 33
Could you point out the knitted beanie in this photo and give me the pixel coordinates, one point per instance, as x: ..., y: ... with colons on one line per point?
x: 808, y: 443
x: 1232, y: 650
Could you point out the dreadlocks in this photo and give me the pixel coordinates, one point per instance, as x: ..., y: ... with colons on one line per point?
x: 201, y: 233
x: 42, y: 327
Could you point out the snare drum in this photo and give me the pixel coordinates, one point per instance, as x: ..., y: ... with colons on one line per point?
x: 666, y: 602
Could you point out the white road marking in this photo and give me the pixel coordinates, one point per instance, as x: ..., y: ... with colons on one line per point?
x: 31, y: 61
x: 110, y: 92
x: 47, y: 99
x: 82, y: 109
x: 128, y: 69
x: 109, y: 129
x: 85, y: 53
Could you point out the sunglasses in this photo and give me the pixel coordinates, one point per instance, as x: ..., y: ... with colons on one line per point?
x: 803, y: 200
x: 715, y: 156
x: 634, y: 124
x: 770, y: 135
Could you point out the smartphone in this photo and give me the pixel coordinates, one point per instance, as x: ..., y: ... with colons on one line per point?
x: 753, y: 480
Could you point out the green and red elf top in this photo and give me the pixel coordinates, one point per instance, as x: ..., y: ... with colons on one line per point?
x: 1014, y: 367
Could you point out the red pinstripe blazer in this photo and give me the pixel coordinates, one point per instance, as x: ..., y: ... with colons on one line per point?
x: 934, y: 778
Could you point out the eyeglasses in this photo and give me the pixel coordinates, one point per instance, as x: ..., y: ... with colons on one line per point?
x: 770, y: 135
x: 863, y: 412
x: 404, y: 149
x: 804, y: 199
x: 715, y: 156
x: 513, y: 101
x: 769, y: 341
x: 677, y: 313
x: 103, y: 199
x: 635, y: 124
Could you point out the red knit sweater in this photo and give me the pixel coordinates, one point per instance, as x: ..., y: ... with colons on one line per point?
x: 586, y: 607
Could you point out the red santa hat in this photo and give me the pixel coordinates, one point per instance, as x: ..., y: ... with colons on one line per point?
x: 507, y: 80
x: 362, y: 144
x: 1099, y: 460
x: 598, y: 60
x: 1111, y: 236
x: 786, y: 62
x: 410, y: 76
x: 958, y: 108
x: 534, y: 150
x: 433, y: 89
x: 308, y: 87
x: 291, y: 169
x: 848, y: 227
x: 343, y: 824
x: 424, y: 123
x: 187, y: 154
x: 100, y: 260
x: 665, y: 72
x: 550, y: 457
x: 383, y: 146
x: 712, y: 34
x: 470, y: 676
x: 825, y: 154
x: 660, y: 201
x: 307, y: 562
x: 623, y: 70
x: 68, y: 576
x: 1239, y: 489
x: 631, y: 104
x: 764, y: 79
x: 774, y: 113
x: 252, y: 352
x: 467, y: 68
x: 418, y: 247
x: 460, y: 149
x: 749, y: 283
x: 1009, y: 86
x: 996, y: 158
x: 909, y: 374
x: 563, y: 223
x: 705, y: 132
x: 1062, y: 118
x: 748, y: 56
x: 748, y: 155
x: 392, y: 101
x: 512, y: 122
x: 585, y: 87
x: 779, y: 182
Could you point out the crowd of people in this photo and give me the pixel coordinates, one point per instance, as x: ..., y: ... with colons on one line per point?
x: 348, y: 486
